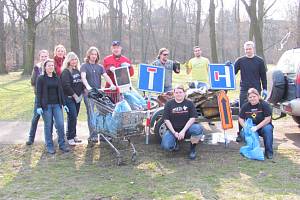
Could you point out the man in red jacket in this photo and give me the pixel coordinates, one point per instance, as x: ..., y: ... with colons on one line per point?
x: 116, y: 60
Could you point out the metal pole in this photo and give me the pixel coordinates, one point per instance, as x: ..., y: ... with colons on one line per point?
x: 148, y: 118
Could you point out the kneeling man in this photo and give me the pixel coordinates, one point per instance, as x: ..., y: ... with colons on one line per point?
x: 179, y: 115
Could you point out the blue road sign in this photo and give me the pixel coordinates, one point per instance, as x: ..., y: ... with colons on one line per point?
x: 151, y: 78
x: 221, y: 76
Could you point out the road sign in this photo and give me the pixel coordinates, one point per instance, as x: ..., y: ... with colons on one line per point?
x: 151, y: 78
x: 225, y: 111
x: 221, y: 76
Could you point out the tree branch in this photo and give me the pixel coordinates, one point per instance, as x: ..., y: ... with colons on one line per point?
x: 50, y: 12
x: 17, y: 10
x: 271, y: 5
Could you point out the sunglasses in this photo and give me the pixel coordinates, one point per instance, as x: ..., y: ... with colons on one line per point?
x: 165, y: 54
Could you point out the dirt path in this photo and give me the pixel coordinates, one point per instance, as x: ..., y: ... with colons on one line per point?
x: 286, y: 133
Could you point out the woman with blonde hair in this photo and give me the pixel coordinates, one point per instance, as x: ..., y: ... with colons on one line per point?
x: 73, y: 87
x: 59, y: 56
x: 91, y: 72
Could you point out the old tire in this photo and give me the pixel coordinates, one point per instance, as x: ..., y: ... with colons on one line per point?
x: 278, y: 87
x: 296, y: 119
x: 160, y: 128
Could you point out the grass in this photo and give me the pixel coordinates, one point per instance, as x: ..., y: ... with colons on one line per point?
x: 91, y: 173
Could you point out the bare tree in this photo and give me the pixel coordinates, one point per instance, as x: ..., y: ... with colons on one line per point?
x: 2, y: 40
x: 238, y: 27
x: 298, y: 25
x: 222, y: 32
x: 254, y: 26
x: 198, y: 22
x: 212, y: 32
x: 30, y: 16
x: 73, y: 21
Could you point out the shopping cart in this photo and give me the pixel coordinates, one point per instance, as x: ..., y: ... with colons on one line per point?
x: 119, y: 126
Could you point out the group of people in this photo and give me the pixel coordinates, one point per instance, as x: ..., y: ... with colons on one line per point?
x: 180, y: 113
x: 61, y: 83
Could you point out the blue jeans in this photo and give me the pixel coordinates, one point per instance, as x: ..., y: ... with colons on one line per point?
x: 90, y: 106
x: 53, y: 111
x: 267, y: 133
x: 34, y: 121
x: 169, y: 141
x: 72, y: 117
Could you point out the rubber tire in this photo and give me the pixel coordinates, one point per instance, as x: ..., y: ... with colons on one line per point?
x: 296, y: 119
x: 279, y: 85
x: 159, y: 128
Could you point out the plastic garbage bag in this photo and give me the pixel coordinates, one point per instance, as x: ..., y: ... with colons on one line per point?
x: 135, y: 100
x: 122, y: 106
x: 252, y: 149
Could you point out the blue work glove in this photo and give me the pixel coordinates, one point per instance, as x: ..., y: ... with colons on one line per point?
x: 264, y: 94
x: 39, y: 111
x: 66, y: 109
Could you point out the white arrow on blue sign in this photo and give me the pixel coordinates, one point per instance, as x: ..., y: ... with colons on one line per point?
x: 151, y: 78
x: 221, y: 76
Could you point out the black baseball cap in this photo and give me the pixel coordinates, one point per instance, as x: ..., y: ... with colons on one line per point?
x: 115, y: 43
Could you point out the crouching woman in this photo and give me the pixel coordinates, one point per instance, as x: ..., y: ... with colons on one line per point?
x: 50, y: 100
x: 260, y: 112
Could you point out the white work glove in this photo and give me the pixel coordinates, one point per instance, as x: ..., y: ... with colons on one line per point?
x: 113, y: 87
x: 112, y: 68
x: 254, y: 128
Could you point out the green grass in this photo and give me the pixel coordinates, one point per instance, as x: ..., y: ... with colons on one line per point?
x: 218, y: 173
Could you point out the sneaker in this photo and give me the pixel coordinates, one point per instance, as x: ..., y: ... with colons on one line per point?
x: 72, y: 142
x: 77, y: 140
x: 269, y: 156
x: 29, y: 142
x: 239, y: 139
x: 176, y: 148
x: 64, y: 149
x: 51, y: 150
x: 192, y: 155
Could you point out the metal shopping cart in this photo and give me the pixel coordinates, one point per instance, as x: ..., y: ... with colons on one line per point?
x: 118, y: 126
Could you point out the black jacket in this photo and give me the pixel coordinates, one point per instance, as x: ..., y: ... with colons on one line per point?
x: 42, y: 93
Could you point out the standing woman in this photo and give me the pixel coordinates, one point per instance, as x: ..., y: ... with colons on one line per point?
x: 37, y: 70
x: 73, y: 88
x: 50, y: 99
x: 59, y: 56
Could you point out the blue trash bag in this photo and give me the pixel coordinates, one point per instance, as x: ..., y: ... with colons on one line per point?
x: 252, y: 149
x: 135, y: 100
x: 111, y: 125
x: 99, y: 122
x: 122, y: 106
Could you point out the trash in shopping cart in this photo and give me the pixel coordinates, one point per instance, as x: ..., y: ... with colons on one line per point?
x: 135, y: 100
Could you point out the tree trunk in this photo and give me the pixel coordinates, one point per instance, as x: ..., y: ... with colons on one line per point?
x: 251, y: 10
x: 198, y: 23
x: 238, y: 27
x: 30, y: 37
x: 120, y: 20
x: 298, y: 26
x: 73, y: 21
x: 142, y: 25
x: 112, y: 19
x: 2, y: 40
x: 222, y: 31
x: 212, y: 32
